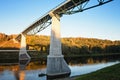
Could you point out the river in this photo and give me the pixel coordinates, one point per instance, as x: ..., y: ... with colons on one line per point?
x: 31, y: 70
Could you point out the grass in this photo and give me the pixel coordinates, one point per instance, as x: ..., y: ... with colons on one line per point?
x: 108, y: 73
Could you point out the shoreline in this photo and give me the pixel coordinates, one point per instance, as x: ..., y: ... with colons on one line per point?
x: 99, y: 74
x: 69, y: 78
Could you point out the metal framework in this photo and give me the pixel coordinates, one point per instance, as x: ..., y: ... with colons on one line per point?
x: 68, y: 7
x: 40, y: 27
x: 81, y: 7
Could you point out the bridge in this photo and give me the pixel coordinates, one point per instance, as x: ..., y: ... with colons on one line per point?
x: 56, y: 65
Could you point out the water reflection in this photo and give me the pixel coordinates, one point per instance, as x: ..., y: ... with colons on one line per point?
x: 27, y: 70
x: 20, y: 74
x: 91, y: 59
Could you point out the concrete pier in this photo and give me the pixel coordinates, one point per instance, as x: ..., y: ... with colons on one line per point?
x: 23, y: 55
x: 56, y: 65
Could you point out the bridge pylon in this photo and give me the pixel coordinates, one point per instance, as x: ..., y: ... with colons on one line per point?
x: 56, y: 65
x: 23, y: 55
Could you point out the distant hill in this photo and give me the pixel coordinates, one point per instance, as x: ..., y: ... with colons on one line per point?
x: 69, y: 45
x: 7, y: 42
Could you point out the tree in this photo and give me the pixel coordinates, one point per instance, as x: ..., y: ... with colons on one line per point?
x: 97, y: 49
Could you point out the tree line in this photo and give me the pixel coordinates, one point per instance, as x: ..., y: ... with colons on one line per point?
x: 75, y: 46
x: 70, y: 45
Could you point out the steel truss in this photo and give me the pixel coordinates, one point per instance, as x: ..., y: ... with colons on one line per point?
x: 81, y: 7
x: 40, y: 27
x: 65, y: 11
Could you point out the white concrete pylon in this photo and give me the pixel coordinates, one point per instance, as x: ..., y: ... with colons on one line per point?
x: 55, y: 42
x: 56, y: 65
x: 23, y: 55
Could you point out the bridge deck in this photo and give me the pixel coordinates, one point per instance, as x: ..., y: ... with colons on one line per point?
x: 60, y: 10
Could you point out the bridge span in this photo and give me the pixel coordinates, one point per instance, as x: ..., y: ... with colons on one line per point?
x: 56, y: 65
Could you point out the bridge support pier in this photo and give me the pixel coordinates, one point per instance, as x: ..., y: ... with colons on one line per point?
x: 56, y: 65
x: 23, y: 56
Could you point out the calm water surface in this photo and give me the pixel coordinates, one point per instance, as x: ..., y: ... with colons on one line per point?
x: 31, y: 70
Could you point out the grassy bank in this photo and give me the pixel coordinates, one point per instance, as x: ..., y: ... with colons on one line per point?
x: 109, y: 73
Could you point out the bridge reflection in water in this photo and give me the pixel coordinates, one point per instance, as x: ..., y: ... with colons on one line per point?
x: 20, y: 73
x: 27, y: 70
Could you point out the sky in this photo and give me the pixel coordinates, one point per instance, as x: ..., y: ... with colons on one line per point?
x: 102, y: 22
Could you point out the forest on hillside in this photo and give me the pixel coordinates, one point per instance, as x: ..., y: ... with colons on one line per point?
x: 70, y: 45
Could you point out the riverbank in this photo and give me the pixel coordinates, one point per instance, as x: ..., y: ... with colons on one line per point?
x: 108, y: 73
x: 37, y: 55
x: 13, y: 57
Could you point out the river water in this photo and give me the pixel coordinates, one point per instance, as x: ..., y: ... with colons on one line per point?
x: 32, y: 69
